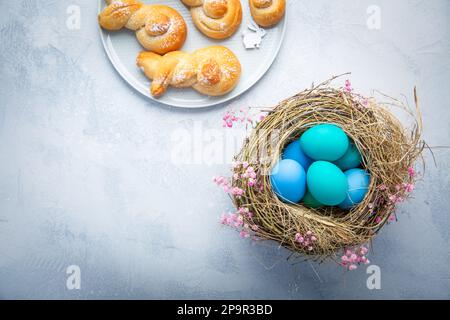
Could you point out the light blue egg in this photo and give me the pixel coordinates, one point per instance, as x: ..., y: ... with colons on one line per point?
x: 288, y: 179
x: 325, y: 142
x: 358, y: 184
x: 351, y: 159
x: 327, y: 183
x: 294, y: 152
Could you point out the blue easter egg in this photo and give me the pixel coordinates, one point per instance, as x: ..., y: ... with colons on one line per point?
x: 325, y: 142
x: 327, y: 183
x: 311, y: 202
x: 294, y: 152
x: 351, y: 159
x: 358, y: 184
x: 288, y: 179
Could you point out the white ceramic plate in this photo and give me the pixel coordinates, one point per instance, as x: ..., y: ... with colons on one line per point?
x: 122, y: 49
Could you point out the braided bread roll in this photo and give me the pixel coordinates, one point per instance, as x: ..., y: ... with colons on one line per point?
x: 267, y: 13
x: 159, y: 28
x: 212, y: 71
x: 217, y: 19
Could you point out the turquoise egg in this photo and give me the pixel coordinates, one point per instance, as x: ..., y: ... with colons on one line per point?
x: 288, y: 179
x: 327, y: 183
x: 351, y: 159
x: 358, y: 184
x: 311, y: 202
x: 294, y: 152
x: 325, y: 142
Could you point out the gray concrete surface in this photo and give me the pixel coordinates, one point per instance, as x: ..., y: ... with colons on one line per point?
x: 86, y: 176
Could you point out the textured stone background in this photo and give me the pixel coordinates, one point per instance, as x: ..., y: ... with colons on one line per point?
x: 86, y: 176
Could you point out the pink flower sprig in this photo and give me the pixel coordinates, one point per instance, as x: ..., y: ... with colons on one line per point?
x: 363, y: 101
x: 237, y: 221
x: 411, y: 172
x: 306, y: 240
x: 401, y: 190
x: 262, y: 116
x: 241, y: 116
x: 248, y: 177
x: 400, y: 196
x: 391, y: 218
x: 401, y: 193
x: 232, y: 116
x: 245, y: 212
x: 348, y: 86
x: 227, y: 186
x: 353, y: 257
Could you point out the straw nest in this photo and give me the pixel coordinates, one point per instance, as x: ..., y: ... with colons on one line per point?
x: 387, y: 148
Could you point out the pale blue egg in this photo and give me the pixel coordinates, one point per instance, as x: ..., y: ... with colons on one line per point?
x: 327, y: 183
x: 351, y: 159
x: 325, y: 142
x: 288, y: 179
x: 358, y: 184
x: 294, y: 152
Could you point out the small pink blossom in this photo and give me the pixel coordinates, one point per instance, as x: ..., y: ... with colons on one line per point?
x: 348, y: 86
x: 236, y: 221
x: 352, y: 267
x: 411, y: 172
x: 236, y: 164
x: 242, y: 210
x: 365, y: 102
x: 393, y: 198
x: 232, y: 116
x: 409, y: 187
x: 262, y: 117
x: 364, y: 250
x: 352, y: 257
x: 224, y: 219
x: 244, y: 234
x: 306, y: 240
x: 236, y: 191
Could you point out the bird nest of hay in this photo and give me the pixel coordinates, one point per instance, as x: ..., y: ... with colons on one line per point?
x: 389, y: 153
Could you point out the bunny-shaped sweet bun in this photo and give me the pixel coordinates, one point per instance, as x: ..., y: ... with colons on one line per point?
x: 253, y: 39
x: 267, y: 13
x: 159, y: 28
x: 212, y: 71
x: 217, y: 19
